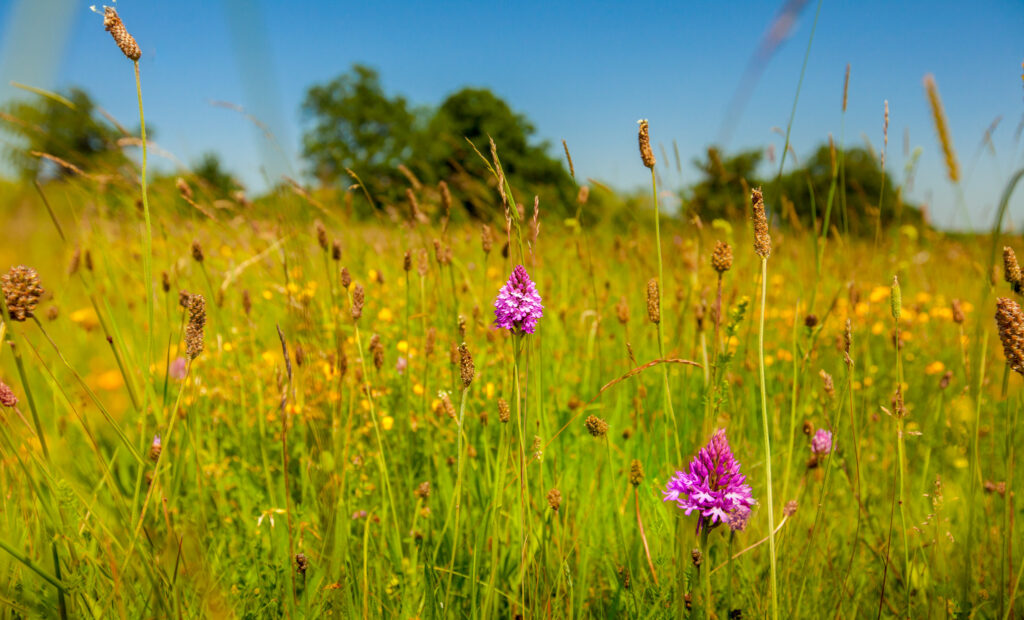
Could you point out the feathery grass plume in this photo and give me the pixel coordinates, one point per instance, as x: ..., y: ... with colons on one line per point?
x: 885, y: 133
x: 76, y: 261
x: 345, y: 278
x: 554, y: 499
x: 466, y: 369
x: 155, y: 448
x: 1010, y: 321
x: 7, y: 397
x: 448, y: 405
x: 194, y: 331
x: 636, y: 472
x: 184, y: 189
x: 596, y: 426
x: 321, y: 236
x: 377, y: 350
x: 896, y: 299
x: 504, y: 412
x: 721, y: 258
x: 22, y: 291
x: 942, y: 128
x: 646, y: 154
x: 197, y: 252
x: 407, y: 261
x: 1011, y: 269
x: 957, y: 311
x: 486, y: 238
x: 762, y: 240
x: 358, y: 299
x: 846, y: 86
x: 653, y: 301
x: 446, y: 203
x: 112, y: 23
x: 568, y: 158
x: 827, y: 383
x: 336, y: 251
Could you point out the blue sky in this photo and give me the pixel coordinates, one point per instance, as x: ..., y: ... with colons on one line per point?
x: 583, y: 73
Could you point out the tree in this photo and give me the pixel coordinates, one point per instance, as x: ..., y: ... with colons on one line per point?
x: 64, y: 127
x: 212, y: 176
x: 721, y: 191
x: 356, y: 125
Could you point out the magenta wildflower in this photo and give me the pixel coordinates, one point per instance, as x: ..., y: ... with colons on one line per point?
x: 821, y: 443
x: 179, y: 369
x: 518, y: 305
x: 713, y: 486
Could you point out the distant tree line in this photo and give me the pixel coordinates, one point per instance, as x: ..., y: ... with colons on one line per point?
x: 353, y: 128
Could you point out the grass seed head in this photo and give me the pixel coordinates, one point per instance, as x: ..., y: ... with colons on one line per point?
x: 1011, y: 269
x: 554, y: 499
x: 358, y: 299
x: 646, y: 154
x: 896, y: 299
x: 336, y: 251
x: 321, y: 236
x: 7, y: 397
x: 958, y: 312
x: 1010, y: 321
x: 197, y: 252
x: 596, y: 426
x: 112, y: 23
x: 653, y: 301
x: 466, y: 368
x: 721, y: 258
x: 195, y: 330
x: 762, y: 240
x: 636, y: 473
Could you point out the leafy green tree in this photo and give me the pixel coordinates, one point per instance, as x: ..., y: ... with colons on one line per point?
x: 355, y: 124
x: 863, y: 181
x: 478, y: 115
x: 721, y: 190
x: 212, y: 176
x: 67, y: 127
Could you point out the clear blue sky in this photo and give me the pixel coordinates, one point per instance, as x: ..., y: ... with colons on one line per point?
x: 584, y: 73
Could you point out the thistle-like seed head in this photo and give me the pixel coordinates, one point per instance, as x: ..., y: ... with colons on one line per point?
x: 22, y: 291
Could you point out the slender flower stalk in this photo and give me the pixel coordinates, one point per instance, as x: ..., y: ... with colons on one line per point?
x: 900, y: 412
x: 763, y: 248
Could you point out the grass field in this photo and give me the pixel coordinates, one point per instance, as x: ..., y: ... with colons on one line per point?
x: 210, y: 409
x: 313, y: 464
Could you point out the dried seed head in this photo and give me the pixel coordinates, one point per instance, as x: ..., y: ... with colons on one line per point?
x: 446, y: 202
x: 762, y: 240
x: 195, y: 330
x: 596, y: 426
x: 486, y: 238
x: 583, y: 195
x: 947, y: 377
x: 112, y: 23
x: 811, y: 321
x: 555, y: 499
x: 848, y: 337
x: 1011, y: 270
x: 827, y: 384
x: 301, y: 564
x: 407, y: 261
x: 808, y: 428
x: 449, y: 407
x: 358, y: 299
x: 942, y: 128
x: 7, y: 397
x: 321, y: 236
x: 197, y: 252
x: 622, y: 310
x: 22, y: 291
x: 896, y: 299
x: 958, y: 312
x: 377, y: 350
x: 423, y: 491
x: 76, y: 261
x: 653, y: 301
x: 246, y: 302
x: 646, y: 154
x: 790, y: 509
x: 1010, y: 320
x: 336, y: 251
x: 346, y: 278
x: 165, y: 282
x: 466, y: 368
x: 504, y: 413
x: 696, y: 557
x: 183, y: 188
x: 700, y: 310
x: 88, y: 260
x: 721, y: 258
x: 636, y: 473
